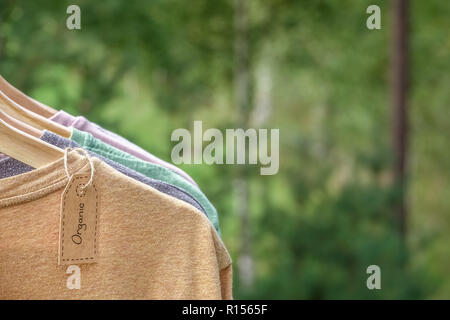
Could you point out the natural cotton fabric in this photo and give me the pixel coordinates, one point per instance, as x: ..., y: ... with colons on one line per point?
x: 111, y: 138
x: 11, y: 167
x: 150, y: 245
x: 154, y: 171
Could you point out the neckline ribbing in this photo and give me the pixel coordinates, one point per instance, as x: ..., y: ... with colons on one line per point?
x: 37, y: 183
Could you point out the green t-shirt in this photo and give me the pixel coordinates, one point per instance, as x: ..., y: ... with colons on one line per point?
x: 151, y: 170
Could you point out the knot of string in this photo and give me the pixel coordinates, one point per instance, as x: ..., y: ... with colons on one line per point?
x: 91, y: 164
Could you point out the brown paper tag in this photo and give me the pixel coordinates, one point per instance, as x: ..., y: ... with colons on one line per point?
x: 78, y: 222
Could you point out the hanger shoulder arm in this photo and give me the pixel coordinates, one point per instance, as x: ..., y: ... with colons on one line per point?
x: 26, y: 148
x: 22, y: 99
x: 30, y: 118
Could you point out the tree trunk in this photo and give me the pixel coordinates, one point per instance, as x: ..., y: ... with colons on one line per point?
x: 400, y: 116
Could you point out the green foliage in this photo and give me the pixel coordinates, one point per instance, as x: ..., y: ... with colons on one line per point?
x: 325, y: 252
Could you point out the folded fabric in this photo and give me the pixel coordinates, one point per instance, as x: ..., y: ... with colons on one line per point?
x: 87, y: 141
x: 11, y: 167
x: 81, y: 123
x: 149, y: 245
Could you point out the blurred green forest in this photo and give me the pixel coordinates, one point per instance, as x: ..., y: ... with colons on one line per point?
x: 146, y: 68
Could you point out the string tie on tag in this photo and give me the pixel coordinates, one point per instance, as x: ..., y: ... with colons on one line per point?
x: 91, y: 164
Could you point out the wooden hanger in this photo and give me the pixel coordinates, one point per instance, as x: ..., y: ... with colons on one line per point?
x: 37, y: 121
x: 25, y: 101
x: 26, y: 148
x: 20, y: 125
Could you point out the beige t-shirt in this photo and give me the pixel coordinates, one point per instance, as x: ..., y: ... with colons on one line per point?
x: 150, y: 245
